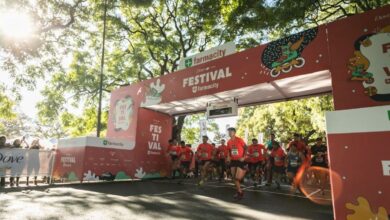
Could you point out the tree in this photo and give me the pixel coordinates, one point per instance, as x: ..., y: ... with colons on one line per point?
x: 145, y: 39
x: 278, y: 18
x: 191, y: 129
x: 143, y: 42
x: 286, y: 118
x: 6, y: 105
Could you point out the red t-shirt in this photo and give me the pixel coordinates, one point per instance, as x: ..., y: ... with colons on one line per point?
x: 236, y: 148
x: 278, y: 156
x: 205, y: 151
x: 186, y: 154
x: 174, y: 150
x: 222, y: 152
x: 301, y: 146
x: 256, y: 153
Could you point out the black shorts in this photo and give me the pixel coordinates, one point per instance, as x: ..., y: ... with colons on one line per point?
x: 215, y: 163
x: 324, y: 165
x: 278, y: 169
x: 185, y: 164
x: 222, y: 163
x: 203, y: 162
x: 293, y: 170
x: 174, y: 157
x: 255, y: 166
x: 237, y: 163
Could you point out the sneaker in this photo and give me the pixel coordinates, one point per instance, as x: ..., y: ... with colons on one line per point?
x: 239, y: 195
x: 277, y: 185
x: 201, y: 183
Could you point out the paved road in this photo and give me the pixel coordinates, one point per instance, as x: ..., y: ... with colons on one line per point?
x: 158, y: 199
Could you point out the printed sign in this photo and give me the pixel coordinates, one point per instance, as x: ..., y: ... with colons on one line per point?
x: 123, y: 111
x: 154, y: 145
x: 208, y: 55
x: 112, y: 143
x: 25, y: 162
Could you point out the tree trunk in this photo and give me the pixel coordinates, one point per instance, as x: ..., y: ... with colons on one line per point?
x: 177, y: 127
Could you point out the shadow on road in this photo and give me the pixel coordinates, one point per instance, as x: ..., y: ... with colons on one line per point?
x: 153, y: 200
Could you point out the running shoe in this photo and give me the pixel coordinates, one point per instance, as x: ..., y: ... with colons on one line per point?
x: 277, y: 185
x: 239, y: 195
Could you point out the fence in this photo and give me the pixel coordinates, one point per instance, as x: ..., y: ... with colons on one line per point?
x: 26, y: 162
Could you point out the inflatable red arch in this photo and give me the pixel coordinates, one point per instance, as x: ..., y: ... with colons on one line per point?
x: 349, y: 58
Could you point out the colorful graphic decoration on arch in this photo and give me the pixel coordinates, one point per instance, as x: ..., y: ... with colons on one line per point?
x: 153, y: 94
x: 370, y: 64
x: 284, y: 55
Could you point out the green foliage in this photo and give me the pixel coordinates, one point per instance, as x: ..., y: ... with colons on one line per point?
x: 6, y: 105
x: 191, y: 129
x: 286, y: 118
x: 283, y: 17
x: 83, y: 125
x: 145, y: 39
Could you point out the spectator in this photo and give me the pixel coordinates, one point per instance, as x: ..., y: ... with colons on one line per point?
x: 16, y: 144
x: 3, y: 145
x: 35, y: 145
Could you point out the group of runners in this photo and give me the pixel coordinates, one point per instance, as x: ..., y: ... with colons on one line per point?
x: 235, y: 160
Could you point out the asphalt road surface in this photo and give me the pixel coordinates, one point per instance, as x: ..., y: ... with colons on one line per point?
x: 157, y: 199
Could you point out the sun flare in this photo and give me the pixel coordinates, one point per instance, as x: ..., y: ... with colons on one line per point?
x: 15, y: 25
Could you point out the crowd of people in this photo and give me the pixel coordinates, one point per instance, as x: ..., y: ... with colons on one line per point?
x: 234, y: 160
x: 18, y: 144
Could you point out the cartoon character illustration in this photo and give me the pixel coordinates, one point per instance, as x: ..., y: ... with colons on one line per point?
x: 283, y: 55
x: 153, y: 94
x: 290, y: 58
x: 358, y: 66
x: 122, y: 113
x: 370, y: 64
x: 89, y: 176
x: 140, y: 173
x: 362, y: 211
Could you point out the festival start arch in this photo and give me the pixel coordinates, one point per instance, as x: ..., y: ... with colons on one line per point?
x: 349, y: 58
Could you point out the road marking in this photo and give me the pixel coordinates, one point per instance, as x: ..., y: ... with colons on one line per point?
x: 318, y: 190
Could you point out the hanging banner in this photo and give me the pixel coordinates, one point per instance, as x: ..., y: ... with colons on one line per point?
x: 25, y: 162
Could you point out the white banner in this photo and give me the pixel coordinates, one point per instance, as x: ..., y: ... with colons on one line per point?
x: 208, y: 55
x: 26, y: 162
x: 203, y: 128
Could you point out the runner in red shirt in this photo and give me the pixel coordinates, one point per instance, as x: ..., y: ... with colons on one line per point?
x: 205, y: 153
x: 214, y: 161
x: 237, y: 149
x: 185, y: 158
x: 174, y: 151
x: 222, y: 153
x: 256, y: 155
x: 278, y: 157
x: 301, y: 146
